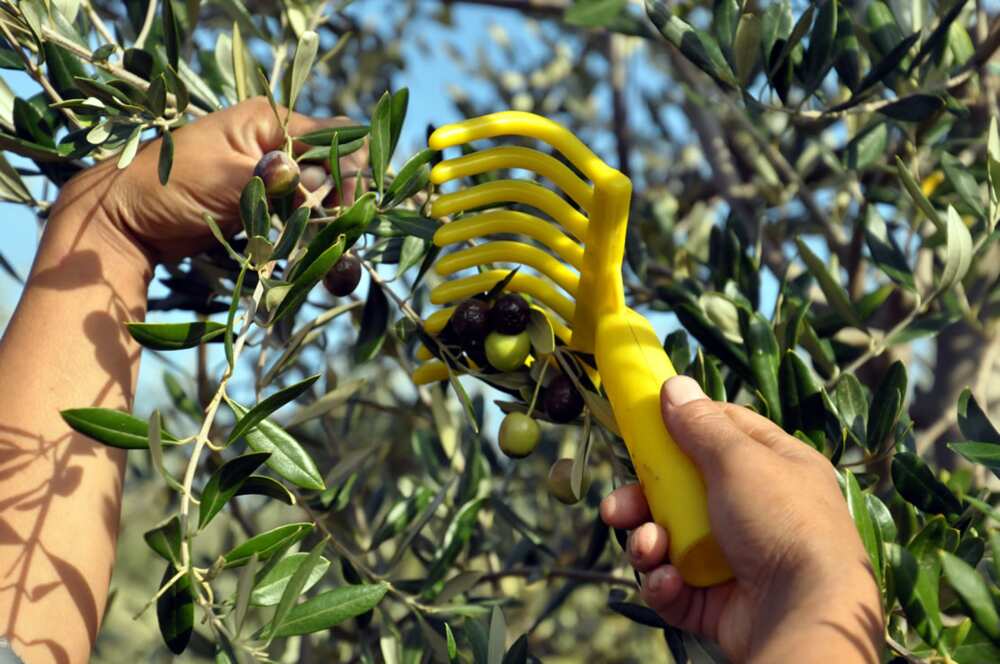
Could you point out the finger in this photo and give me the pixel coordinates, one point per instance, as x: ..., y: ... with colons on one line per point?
x: 699, y: 425
x: 625, y: 507
x: 688, y: 608
x: 647, y: 546
x: 761, y: 429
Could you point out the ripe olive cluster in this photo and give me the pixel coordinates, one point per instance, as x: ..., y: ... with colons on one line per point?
x: 493, y: 336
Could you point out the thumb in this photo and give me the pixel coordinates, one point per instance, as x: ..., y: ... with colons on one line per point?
x: 699, y: 425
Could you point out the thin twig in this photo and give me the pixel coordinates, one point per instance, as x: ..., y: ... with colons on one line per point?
x: 52, y: 36
x: 38, y: 76
x: 99, y: 24
x: 147, y: 24
x: 561, y: 572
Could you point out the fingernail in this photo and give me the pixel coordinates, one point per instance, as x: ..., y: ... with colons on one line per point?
x: 680, y: 390
x: 610, y: 503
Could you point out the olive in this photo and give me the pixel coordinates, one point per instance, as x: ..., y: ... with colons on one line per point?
x: 510, y: 314
x: 507, y: 352
x: 560, y: 482
x: 519, y: 435
x: 562, y: 401
x: 279, y: 172
x: 470, y: 321
x: 344, y: 276
x: 475, y: 350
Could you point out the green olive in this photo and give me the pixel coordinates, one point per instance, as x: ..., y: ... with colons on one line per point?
x: 507, y: 352
x: 519, y: 435
x: 560, y: 482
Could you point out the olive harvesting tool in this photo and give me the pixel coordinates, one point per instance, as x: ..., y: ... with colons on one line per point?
x: 630, y: 359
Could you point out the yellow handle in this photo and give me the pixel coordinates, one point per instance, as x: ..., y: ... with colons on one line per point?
x: 633, y: 367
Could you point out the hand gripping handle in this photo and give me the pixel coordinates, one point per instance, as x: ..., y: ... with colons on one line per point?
x: 633, y: 367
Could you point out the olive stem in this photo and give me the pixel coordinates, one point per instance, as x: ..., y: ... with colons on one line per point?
x: 538, y: 386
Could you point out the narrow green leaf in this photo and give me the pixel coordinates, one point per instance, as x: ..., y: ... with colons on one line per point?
x: 270, y: 587
x: 764, y: 355
x: 964, y: 184
x: 917, y: 194
x: 885, y: 251
x: 295, y: 226
x: 852, y: 405
x: 412, y: 177
x: 229, y: 331
x: 958, y: 251
x: 973, y: 422
x: 917, y: 484
x: 267, y: 544
x: 835, y: 294
x: 913, y: 586
x: 112, y: 427
x: 331, y: 608
x: 397, y: 115
x: 296, y: 586
x: 374, y: 323
x: 287, y: 459
x: 166, y: 161
x: 175, y: 336
x: 913, y: 108
x: 986, y: 454
x: 165, y: 540
x: 225, y: 483
x: 821, y: 41
x: 887, y: 65
x: 498, y: 636
x: 334, y: 159
x: 867, y: 147
x: 262, y: 485
x: 697, y: 46
x: 175, y: 611
x: 305, y: 279
x: 323, y: 137
x: 253, y: 208
x: 264, y: 408
x: 350, y: 224
x: 305, y: 55
x: 857, y: 505
x: 156, y: 96
x: 171, y: 33
x: 381, y: 140
x: 243, y: 588
x: 131, y: 147
x: 887, y: 404
x: 972, y: 590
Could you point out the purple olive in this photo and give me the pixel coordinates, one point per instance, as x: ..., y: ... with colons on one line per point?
x: 279, y: 172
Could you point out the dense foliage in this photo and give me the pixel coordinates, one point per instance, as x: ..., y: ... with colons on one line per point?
x: 817, y: 190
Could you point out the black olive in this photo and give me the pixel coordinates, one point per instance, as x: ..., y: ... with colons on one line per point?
x: 510, y: 314
x: 562, y: 401
x: 344, y: 276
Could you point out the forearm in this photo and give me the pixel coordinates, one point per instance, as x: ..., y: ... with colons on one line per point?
x: 65, y: 347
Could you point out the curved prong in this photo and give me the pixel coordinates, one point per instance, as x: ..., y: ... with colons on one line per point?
x: 512, y: 191
x: 508, y: 156
x: 511, y: 221
x: 506, y: 251
x: 459, y: 289
x: 430, y: 372
x: 516, y: 123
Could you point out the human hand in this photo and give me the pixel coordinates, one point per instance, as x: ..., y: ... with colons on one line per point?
x: 803, y: 589
x: 214, y: 158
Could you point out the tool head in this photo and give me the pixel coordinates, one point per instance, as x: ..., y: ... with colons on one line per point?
x: 582, y: 241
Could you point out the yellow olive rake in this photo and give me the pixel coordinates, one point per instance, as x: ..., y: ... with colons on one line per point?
x: 629, y: 356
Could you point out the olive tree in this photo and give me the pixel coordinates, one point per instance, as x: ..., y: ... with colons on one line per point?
x: 813, y: 226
